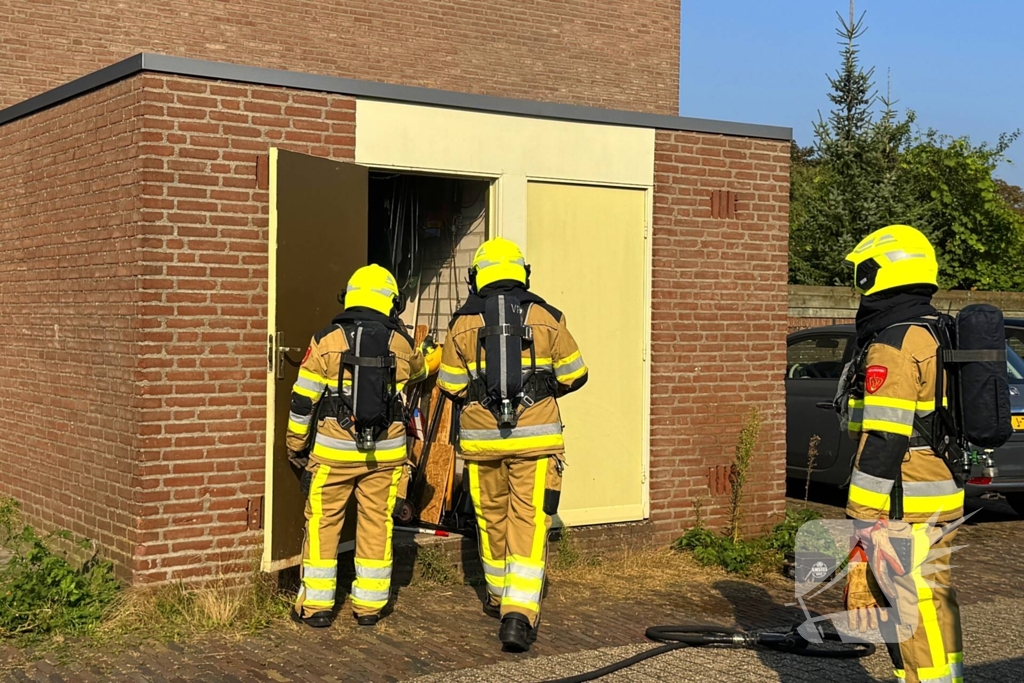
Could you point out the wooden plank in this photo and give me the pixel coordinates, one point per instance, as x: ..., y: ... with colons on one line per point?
x: 440, y: 462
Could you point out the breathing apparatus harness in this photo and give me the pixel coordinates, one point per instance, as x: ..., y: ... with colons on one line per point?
x: 503, y: 387
x: 971, y: 351
x: 373, y: 403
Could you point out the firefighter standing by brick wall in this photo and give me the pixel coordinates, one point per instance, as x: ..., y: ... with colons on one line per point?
x: 508, y: 357
x: 897, y: 476
x: 353, y: 369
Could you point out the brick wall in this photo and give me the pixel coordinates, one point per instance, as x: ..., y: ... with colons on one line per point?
x: 203, y: 310
x: 68, y: 408
x: 620, y: 54
x: 719, y: 323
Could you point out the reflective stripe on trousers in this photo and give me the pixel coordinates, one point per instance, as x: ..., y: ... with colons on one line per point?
x: 494, y: 571
x: 371, y: 588
x: 524, y: 576
x: 319, y: 575
x: 926, y: 647
x: 956, y: 666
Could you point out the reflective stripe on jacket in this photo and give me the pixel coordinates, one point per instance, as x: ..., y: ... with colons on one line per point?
x: 899, y: 383
x: 539, y: 428
x: 318, y: 374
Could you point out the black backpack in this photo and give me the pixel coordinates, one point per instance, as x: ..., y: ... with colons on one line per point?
x: 369, y: 409
x: 973, y: 356
x: 972, y: 360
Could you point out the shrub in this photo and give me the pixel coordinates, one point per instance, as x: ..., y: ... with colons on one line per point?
x: 41, y: 591
x: 740, y: 556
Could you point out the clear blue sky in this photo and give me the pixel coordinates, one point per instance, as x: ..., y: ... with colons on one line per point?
x: 958, y: 63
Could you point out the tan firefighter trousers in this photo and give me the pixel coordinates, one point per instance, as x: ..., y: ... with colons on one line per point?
x: 514, y: 499
x: 329, y: 493
x: 930, y: 642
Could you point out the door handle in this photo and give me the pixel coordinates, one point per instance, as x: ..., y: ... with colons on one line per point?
x: 824, y: 405
x: 279, y: 354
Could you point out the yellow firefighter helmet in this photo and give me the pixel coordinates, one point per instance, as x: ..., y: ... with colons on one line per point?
x: 498, y: 259
x: 372, y: 287
x: 895, y: 256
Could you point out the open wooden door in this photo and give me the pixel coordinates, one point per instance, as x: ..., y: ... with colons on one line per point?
x: 318, y: 238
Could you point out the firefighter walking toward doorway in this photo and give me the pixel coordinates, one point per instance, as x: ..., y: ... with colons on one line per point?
x: 347, y: 430
x: 508, y: 358
x: 902, y: 496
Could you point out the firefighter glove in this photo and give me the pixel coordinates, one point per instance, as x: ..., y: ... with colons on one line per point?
x: 863, y: 599
x: 298, y: 459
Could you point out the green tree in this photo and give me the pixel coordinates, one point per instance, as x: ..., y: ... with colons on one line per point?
x: 1013, y: 195
x: 850, y: 179
x: 866, y: 171
x: 978, y: 236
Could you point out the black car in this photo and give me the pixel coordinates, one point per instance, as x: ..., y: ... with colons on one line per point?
x: 815, y: 361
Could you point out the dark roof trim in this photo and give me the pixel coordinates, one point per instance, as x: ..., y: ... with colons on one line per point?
x: 222, y: 71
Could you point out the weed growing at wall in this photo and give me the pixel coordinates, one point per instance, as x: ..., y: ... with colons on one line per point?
x: 42, y: 592
x: 738, y: 472
x: 567, y: 553
x: 746, y: 557
x: 434, y: 566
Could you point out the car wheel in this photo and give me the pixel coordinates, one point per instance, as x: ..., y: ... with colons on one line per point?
x: 1016, y: 501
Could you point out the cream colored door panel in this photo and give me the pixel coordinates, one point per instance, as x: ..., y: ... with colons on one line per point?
x: 318, y: 237
x: 588, y: 254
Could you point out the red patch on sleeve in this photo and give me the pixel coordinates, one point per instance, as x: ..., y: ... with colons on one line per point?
x: 875, y: 378
x: 309, y: 350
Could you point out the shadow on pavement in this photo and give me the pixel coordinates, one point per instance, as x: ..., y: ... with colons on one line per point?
x: 755, y: 609
x: 1005, y: 671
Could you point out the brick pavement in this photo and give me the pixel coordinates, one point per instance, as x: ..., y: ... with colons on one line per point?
x: 437, y: 633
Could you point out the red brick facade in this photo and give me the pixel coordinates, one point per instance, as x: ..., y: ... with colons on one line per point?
x: 133, y: 309
x: 204, y: 311
x: 621, y: 54
x: 68, y: 326
x: 718, y: 324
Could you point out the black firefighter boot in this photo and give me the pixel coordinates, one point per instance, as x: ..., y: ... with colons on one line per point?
x: 367, y: 619
x: 320, y: 619
x: 516, y: 633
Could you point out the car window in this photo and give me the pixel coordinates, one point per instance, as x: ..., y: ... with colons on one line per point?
x: 818, y: 357
x: 1014, y: 365
x: 1015, y: 340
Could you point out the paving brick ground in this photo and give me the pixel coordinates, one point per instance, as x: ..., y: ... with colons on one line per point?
x: 438, y: 633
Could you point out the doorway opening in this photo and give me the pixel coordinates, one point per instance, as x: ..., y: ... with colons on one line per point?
x: 327, y: 219
x: 425, y: 230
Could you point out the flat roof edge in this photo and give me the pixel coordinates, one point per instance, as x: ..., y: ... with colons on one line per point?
x: 223, y: 71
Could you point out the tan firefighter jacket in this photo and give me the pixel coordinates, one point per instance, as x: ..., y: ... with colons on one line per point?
x: 319, y: 378
x: 539, y: 428
x: 899, y: 382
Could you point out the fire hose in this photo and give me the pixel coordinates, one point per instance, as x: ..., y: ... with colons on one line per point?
x: 704, y: 635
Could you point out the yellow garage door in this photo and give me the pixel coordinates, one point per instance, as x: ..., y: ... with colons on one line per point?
x: 587, y: 249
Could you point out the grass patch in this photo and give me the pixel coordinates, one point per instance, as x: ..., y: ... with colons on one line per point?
x: 43, y: 593
x: 435, y: 566
x: 46, y: 595
x: 177, y: 612
x: 757, y: 556
x: 569, y: 555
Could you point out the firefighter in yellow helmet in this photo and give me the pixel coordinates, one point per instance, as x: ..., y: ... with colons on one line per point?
x: 508, y: 357
x: 347, y: 429
x: 902, y: 495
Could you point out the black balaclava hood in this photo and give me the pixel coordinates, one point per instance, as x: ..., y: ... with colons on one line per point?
x: 897, y: 305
